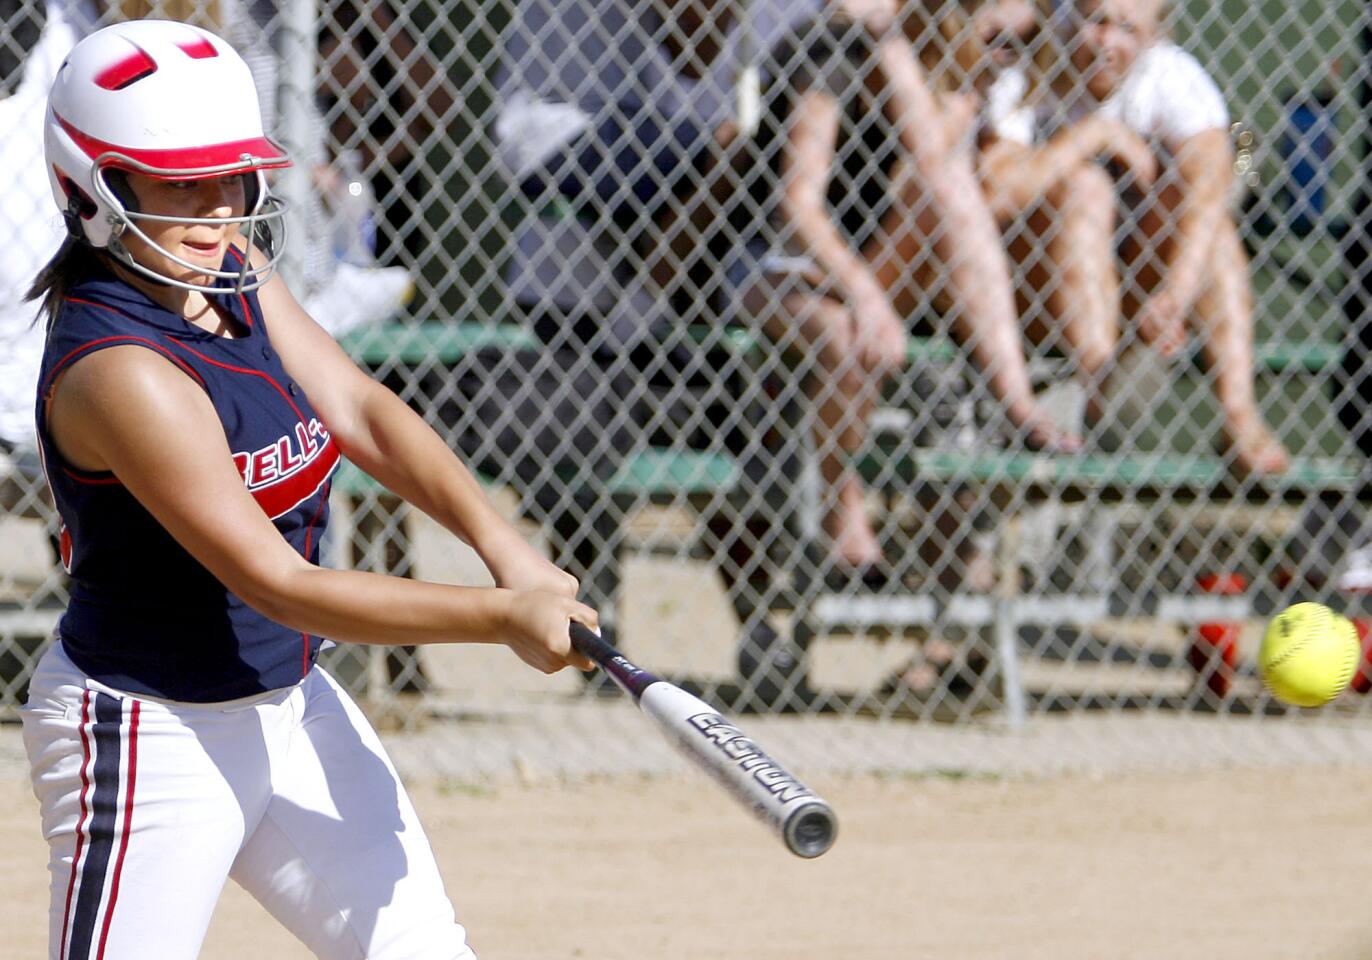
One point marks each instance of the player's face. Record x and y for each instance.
(201, 244)
(1110, 36)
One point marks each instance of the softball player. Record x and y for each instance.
(190, 417)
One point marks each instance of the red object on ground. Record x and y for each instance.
(1214, 650)
(1362, 679)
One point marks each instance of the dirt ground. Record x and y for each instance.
(1237, 864)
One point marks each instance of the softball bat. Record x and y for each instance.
(805, 823)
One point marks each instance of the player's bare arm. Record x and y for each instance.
(383, 436)
(128, 411)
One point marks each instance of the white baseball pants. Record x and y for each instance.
(148, 806)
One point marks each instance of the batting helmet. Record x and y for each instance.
(170, 101)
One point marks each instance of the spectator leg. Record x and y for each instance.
(842, 394)
(943, 233)
(1224, 315)
(1065, 251)
(1222, 318)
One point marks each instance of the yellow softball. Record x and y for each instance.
(1308, 654)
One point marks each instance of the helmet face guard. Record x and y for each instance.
(131, 97)
(263, 224)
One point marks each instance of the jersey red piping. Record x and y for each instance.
(248, 371)
(104, 477)
(129, 338)
(242, 297)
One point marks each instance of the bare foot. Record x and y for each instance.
(1045, 437)
(1038, 431)
(850, 533)
(1040, 434)
(1253, 449)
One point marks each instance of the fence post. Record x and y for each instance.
(299, 53)
(1007, 629)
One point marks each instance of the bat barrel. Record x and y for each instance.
(805, 823)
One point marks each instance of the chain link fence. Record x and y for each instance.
(828, 352)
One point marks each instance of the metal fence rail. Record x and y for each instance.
(674, 462)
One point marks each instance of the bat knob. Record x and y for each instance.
(811, 830)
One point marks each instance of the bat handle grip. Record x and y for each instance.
(590, 644)
(631, 679)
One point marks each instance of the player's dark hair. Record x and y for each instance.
(73, 262)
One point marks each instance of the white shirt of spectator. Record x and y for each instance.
(531, 130)
(1167, 97)
(30, 225)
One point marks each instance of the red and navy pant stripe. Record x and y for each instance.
(109, 774)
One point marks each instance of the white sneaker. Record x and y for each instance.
(357, 296)
(1357, 570)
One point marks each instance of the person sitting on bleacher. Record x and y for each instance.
(1057, 206)
(613, 118)
(873, 204)
(1107, 85)
(615, 115)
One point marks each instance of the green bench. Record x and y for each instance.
(1125, 472)
(1131, 473)
(655, 473)
(434, 341)
(1088, 477)
(1275, 356)
(662, 473)
(1308, 356)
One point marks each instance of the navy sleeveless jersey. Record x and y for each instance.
(145, 616)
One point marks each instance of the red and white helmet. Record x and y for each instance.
(167, 100)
